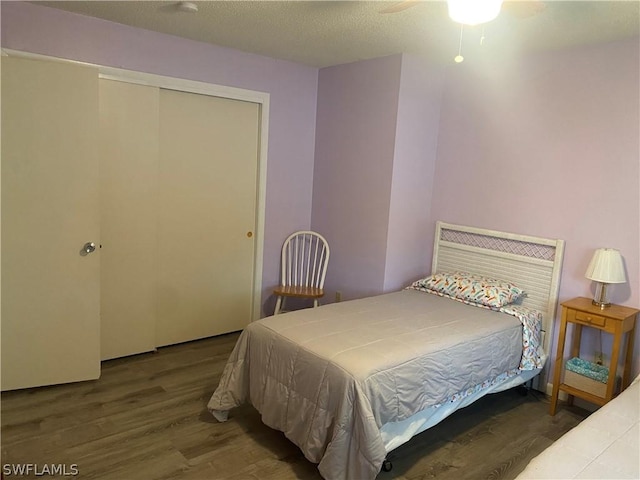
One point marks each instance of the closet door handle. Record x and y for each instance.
(88, 248)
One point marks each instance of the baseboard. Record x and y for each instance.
(561, 395)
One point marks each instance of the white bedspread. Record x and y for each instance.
(606, 445)
(330, 377)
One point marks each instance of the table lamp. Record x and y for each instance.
(605, 268)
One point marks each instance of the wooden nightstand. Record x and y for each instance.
(616, 320)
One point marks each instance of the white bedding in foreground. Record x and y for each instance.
(331, 377)
(606, 445)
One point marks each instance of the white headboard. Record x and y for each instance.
(532, 263)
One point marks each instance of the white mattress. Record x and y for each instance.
(606, 445)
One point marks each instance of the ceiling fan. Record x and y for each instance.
(476, 12)
(516, 8)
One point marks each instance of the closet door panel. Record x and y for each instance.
(50, 209)
(207, 215)
(129, 128)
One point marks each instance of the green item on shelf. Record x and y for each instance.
(591, 370)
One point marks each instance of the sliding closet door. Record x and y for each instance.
(207, 215)
(50, 284)
(129, 123)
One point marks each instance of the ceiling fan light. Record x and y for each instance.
(473, 12)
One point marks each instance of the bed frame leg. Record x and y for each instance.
(525, 388)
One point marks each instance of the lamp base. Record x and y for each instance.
(601, 299)
(600, 304)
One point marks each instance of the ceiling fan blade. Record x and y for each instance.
(523, 8)
(400, 6)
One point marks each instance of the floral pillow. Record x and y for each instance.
(472, 288)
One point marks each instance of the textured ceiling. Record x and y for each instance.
(324, 33)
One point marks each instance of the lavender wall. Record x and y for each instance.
(376, 146)
(549, 146)
(292, 88)
(410, 227)
(356, 125)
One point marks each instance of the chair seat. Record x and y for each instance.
(298, 291)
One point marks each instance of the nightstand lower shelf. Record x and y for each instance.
(582, 394)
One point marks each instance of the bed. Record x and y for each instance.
(349, 382)
(604, 445)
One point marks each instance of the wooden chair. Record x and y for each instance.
(305, 256)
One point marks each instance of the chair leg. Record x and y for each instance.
(278, 305)
(315, 303)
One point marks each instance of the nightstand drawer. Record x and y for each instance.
(587, 318)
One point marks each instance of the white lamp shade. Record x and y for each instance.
(606, 266)
(473, 12)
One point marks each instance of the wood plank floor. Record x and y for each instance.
(146, 418)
